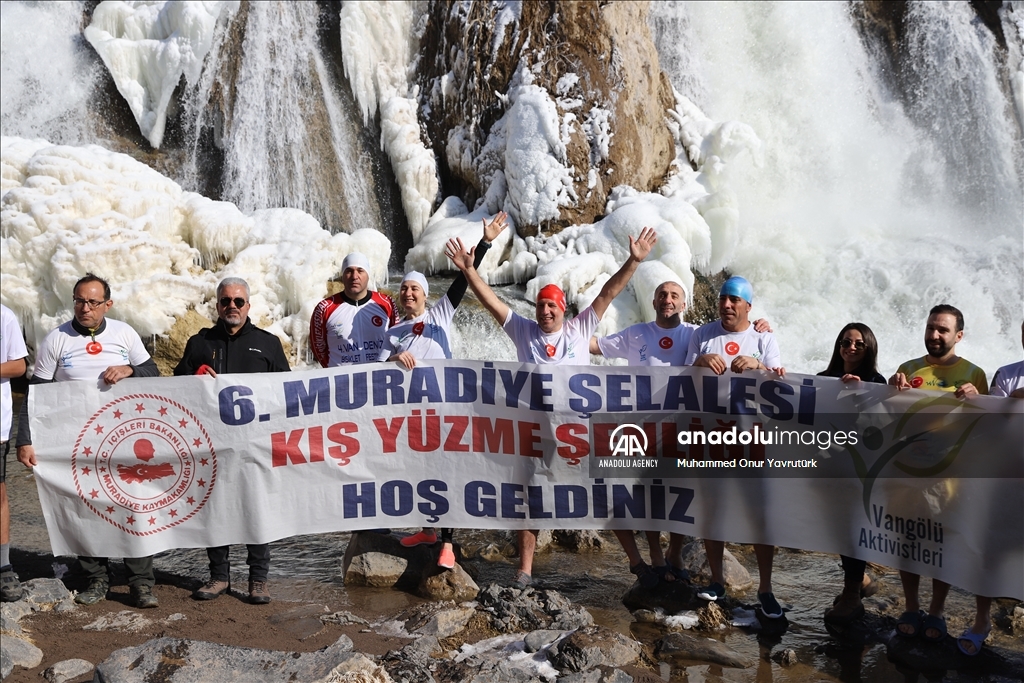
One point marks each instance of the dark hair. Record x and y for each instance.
(89, 277)
(951, 310)
(868, 366)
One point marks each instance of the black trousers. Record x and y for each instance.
(853, 569)
(139, 569)
(258, 561)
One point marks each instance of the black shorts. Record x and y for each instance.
(3, 460)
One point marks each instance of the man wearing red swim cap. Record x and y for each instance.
(550, 339)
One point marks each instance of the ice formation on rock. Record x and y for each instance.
(69, 210)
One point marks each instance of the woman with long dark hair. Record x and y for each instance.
(854, 359)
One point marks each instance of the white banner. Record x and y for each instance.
(914, 480)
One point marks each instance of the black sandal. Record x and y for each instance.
(647, 577)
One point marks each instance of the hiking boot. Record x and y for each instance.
(96, 591)
(259, 594)
(142, 596)
(211, 589)
(11, 589)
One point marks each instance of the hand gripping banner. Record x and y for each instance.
(914, 480)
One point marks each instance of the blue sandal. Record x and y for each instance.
(975, 639)
(931, 623)
(913, 620)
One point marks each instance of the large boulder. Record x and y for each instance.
(381, 561)
(696, 562)
(448, 584)
(593, 646)
(701, 648)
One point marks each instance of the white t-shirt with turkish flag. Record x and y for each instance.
(648, 344)
(425, 337)
(65, 355)
(568, 346)
(713, 338)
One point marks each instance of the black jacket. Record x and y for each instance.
(251, 350)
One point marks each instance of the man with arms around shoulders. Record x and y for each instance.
(733, 343)
(93, 348)
(663, 342)
(550, 340)
(350, 327)
(233, 345)
(12, 364)
(940, 369)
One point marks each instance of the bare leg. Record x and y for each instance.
(628, 541)
(675, 551)
(527, 547)
(5, 516)
(765, 555)
(654, 543)
(940, 589)
(716, 552)
(911, 585)
(982, 623)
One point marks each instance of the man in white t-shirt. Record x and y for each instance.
(1009, 379)
(732, 343)
(93, 348)
(663, 342)
(350, 327)
(550, 340)
(12, 364)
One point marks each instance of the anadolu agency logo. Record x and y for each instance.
(628, 441)
(144, 463)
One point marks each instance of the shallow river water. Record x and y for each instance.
(308, 569)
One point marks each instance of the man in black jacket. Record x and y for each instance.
(232, 345)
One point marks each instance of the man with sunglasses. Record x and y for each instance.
(351, 327)
(233, 345)
(93, 348)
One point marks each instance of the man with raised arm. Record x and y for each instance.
(233, 345)
(663, 342)
(940, 369)
(733, 343)
(93, 348)
(350, 327)
(550, 340)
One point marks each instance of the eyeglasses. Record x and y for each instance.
(88, 303)
(847, 343)
(226, 301)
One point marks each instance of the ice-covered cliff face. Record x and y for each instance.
(789, 152)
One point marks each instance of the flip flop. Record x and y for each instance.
(913, 620)
(933, 623)
(975, 639)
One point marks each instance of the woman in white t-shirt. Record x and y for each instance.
(424, 333)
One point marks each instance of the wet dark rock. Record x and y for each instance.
(702, 649)
(925, 655)
(784, 657)
(175, 660)
(448, 584)
(67, 670)
(539, 639)
(593, 646)
(1017, 620)
(871, 628)
(381, 561)
(696, 562)
(513, 610)
(579, 540)
(302, 622)
(673, 597)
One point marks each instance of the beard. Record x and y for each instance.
(938, 349)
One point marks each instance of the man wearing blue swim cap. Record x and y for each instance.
(732, 343)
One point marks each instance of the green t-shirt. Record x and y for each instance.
(923, 375)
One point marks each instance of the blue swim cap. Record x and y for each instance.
(738, 286)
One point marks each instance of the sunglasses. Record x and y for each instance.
(847, 343)
(226, 301)
(83, 303)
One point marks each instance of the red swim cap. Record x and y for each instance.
(554, 293)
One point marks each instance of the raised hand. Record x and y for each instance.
(458, 255)
(495, 227)
(641, 247)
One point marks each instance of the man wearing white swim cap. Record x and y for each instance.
(350, 327)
